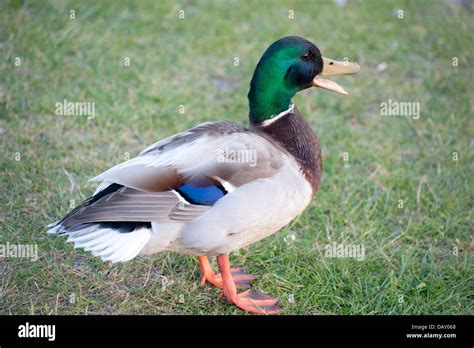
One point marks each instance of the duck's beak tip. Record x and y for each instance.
(332, 67)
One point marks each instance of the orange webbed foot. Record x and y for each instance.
(249, 301)
(241, 278)
(255, 302)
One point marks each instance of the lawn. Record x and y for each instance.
(400, 186)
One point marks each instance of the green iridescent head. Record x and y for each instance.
(289, 65)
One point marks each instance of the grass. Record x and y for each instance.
(411, 265)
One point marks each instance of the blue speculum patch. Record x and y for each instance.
(202, 191)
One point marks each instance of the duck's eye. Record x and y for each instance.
(305, 56)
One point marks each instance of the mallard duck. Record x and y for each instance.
(219, 186)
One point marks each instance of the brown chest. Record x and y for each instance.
(296, 136)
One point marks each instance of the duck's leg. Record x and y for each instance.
(241, 279)
(208, 274)
(248, 300)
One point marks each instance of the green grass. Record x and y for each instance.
(410, 266)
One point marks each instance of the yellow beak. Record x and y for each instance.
(332, 67)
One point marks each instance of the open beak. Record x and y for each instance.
(334, 68)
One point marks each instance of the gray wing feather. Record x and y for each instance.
(212, 129)
(128, 204)
(200, 151)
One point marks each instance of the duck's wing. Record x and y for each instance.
(179, 178)
(223, 150)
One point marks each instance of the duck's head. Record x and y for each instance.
(290, 65)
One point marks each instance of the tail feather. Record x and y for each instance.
(108, 243)
(53, 228)
(111, 241)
